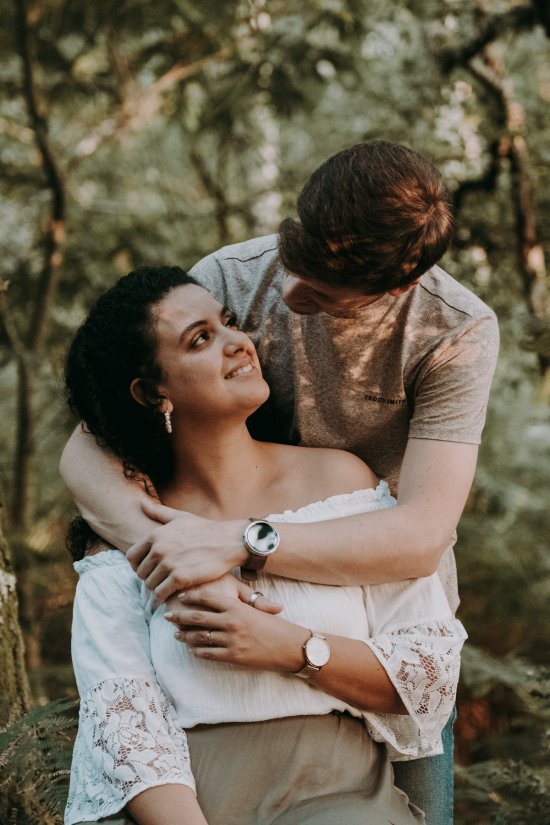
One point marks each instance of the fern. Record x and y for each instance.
(35, 758)
(511, 785)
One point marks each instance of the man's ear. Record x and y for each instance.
(401, 289)
(142, 394)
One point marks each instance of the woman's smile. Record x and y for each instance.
(246, 369)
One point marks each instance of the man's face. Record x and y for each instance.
(308, 297)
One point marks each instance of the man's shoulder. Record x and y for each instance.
(439, 291)
(265, 247)
(236, 273)
(256, 253)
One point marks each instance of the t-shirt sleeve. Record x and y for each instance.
(209, 274)
(452, 389)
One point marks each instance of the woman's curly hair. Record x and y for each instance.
(116, 344)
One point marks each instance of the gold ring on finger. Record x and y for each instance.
(209, 638)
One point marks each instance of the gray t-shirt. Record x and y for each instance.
(418, 365)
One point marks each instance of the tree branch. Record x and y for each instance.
(486, 183)
(55, 235)
(140, 108)
(512, 146)
(490, 28)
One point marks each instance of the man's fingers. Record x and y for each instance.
(261, 602)
(137, 552)
(267, 606)
(156, 579)
(170, 585)
(159, 512)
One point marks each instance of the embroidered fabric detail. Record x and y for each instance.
(106, 558)
(127, 741)
(423, 664)
(344, 504)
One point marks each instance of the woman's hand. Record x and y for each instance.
(222, 628)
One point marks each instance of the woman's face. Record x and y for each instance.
(210, 368)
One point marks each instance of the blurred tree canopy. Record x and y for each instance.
(142, 132)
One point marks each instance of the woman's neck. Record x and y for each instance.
(218, 471)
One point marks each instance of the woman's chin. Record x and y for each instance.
(258, 398)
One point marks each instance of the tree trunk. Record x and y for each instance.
(15, 692)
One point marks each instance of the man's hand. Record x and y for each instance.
(229, 586)
(186, 550)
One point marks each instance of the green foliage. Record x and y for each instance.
(35, 757)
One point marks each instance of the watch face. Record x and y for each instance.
(262, 538)
(317, 651)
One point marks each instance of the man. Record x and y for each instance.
(368, 346)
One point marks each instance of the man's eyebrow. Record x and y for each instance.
(225, 310)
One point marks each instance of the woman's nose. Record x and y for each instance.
(236, 340)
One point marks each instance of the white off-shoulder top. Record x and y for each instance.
(140, 688)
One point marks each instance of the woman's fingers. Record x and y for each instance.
(208, 598)
(192, 617)
(202, 638)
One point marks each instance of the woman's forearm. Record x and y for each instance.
(166, 805)
(354, 675)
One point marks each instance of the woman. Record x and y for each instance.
(161, 375)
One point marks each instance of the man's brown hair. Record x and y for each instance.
(374, 217)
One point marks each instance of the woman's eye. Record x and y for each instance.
(231, 321)
(201, 338)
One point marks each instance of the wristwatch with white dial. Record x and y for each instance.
(261, 539)
(316, 653)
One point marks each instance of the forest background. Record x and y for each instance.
(138, 132)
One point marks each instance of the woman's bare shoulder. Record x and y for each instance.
(327, 472)
(344, 471)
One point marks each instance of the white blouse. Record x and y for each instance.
(140, 688)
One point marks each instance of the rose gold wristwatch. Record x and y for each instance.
(316, 653)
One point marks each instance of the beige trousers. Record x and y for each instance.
(302, 770)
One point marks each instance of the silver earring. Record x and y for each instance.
(167, 422)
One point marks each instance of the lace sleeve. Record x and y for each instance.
(423, 663)
(127, 741)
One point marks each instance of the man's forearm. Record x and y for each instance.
(381, 546)
(110, 503)
(403, 542)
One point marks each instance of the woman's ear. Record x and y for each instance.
(141, 393)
